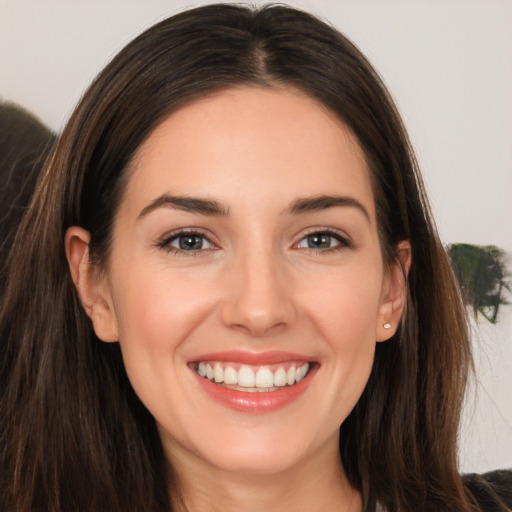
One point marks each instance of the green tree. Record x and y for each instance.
(483, 276)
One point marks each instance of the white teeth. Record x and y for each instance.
(264, 378)
(218, 373)
(245, 377)
(280, 377)
(230, 376)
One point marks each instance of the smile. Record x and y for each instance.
(254, 383)
(249, 378)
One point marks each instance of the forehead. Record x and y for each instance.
(247, 145)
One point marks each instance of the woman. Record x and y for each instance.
(230, 254)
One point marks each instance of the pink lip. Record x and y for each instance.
(257, 402)
(252, 358)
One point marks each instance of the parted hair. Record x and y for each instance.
(73, 434)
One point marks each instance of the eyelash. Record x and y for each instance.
(165, 242)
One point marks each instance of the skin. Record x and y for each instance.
(254, 285)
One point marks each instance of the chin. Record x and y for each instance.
(257, 460)
(263, 450)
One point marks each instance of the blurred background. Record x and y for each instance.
(448, 64)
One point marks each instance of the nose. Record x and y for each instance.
(258, 295)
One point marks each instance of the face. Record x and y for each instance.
(245, 283)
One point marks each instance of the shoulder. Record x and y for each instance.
(492, 491)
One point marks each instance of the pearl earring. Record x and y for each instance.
(387, 326)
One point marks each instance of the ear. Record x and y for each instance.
(394, 293)
(91, 284)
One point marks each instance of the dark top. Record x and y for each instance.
(493, 491)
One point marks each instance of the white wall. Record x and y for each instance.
(449, 66)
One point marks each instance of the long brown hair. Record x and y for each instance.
(74, 436)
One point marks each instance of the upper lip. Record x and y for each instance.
(252, 358)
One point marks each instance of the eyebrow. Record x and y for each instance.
(213, 208)
(188, 204)
(324, 202)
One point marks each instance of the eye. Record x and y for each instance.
(186, 242)
(323, 241)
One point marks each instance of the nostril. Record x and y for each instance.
(251, 315)
(258, 327)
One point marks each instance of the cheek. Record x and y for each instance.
(346, 306)
(345, 313)
(157, 310)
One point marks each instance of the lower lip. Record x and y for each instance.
(258, 401)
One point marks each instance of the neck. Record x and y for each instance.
(315, 484)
